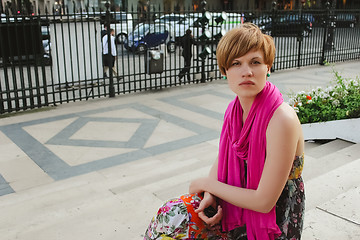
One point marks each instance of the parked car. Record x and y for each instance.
(288, 25)
(45, 33)
(193, 21)
(121, 22)
(309, 17)
(262, 20)
(230, 21)
(345, 20)
(23, 39)
(147, 36)
(179, 23)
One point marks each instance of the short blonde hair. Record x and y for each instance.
(239, 41)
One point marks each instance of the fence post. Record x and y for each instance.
(109, 55)
(327, 4)
(273, 17)
(329, 25)
(203, 27)
(300, 36)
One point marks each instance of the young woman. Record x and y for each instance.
(255, 185)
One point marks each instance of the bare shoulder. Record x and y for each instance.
(285, 114)
(284, 129)
(284, 119)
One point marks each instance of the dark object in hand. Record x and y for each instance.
(210, 211)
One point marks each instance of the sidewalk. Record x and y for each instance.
(99, 169)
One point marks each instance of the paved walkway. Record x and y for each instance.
(99, 169)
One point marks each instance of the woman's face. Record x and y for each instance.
(247, 74)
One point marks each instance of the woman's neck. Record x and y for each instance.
(246, 104)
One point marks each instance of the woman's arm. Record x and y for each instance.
(214, 168)
(282, 136)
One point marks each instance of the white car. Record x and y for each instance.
(180, 23)
(122, 23)
(230, 21)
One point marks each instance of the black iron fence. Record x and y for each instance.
(52, 59)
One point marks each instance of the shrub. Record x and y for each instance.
(338, 101)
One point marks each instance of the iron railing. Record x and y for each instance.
(53, 59)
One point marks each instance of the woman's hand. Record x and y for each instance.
(209, 201)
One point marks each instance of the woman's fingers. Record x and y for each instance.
(213, 220)
(207, 201)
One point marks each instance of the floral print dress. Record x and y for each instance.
(176, 219)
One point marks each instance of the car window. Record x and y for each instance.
(121, 17)
(141, 30)
(172, 19)
(345, 17)
(158, 29)
(184, 21)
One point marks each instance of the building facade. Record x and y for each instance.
(41, 6)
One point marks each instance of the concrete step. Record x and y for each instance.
(156, 169)
(329, 185)
(314, 167)
(327, 148)
(338, 218)
(311, 144)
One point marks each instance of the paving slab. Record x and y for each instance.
(345, 206)
(320, 225)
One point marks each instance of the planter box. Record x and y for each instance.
(347, 129)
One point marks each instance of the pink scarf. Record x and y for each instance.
(240, 142)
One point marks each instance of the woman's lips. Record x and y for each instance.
(247, 83)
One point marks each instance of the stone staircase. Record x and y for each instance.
(331, 175)
(125, 197)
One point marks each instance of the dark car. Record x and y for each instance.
(262, 20)
(147, 36)
(345, 20)
(23, 39)
(289, 25)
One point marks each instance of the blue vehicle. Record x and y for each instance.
(287, 25)
(147, 36)
(345, 20)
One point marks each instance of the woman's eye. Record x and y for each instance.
(256, 62)
(235, 63)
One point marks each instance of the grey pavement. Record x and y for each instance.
(99, 169)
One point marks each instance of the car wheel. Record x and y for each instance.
(120, 38)
(171, 47)
(141, 48)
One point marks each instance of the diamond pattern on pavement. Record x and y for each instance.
(68, 145)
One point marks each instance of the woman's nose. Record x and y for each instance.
(246, 70)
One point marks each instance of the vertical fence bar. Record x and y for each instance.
(300, 37)
(43, 70)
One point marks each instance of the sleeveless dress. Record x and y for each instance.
(176, 218)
